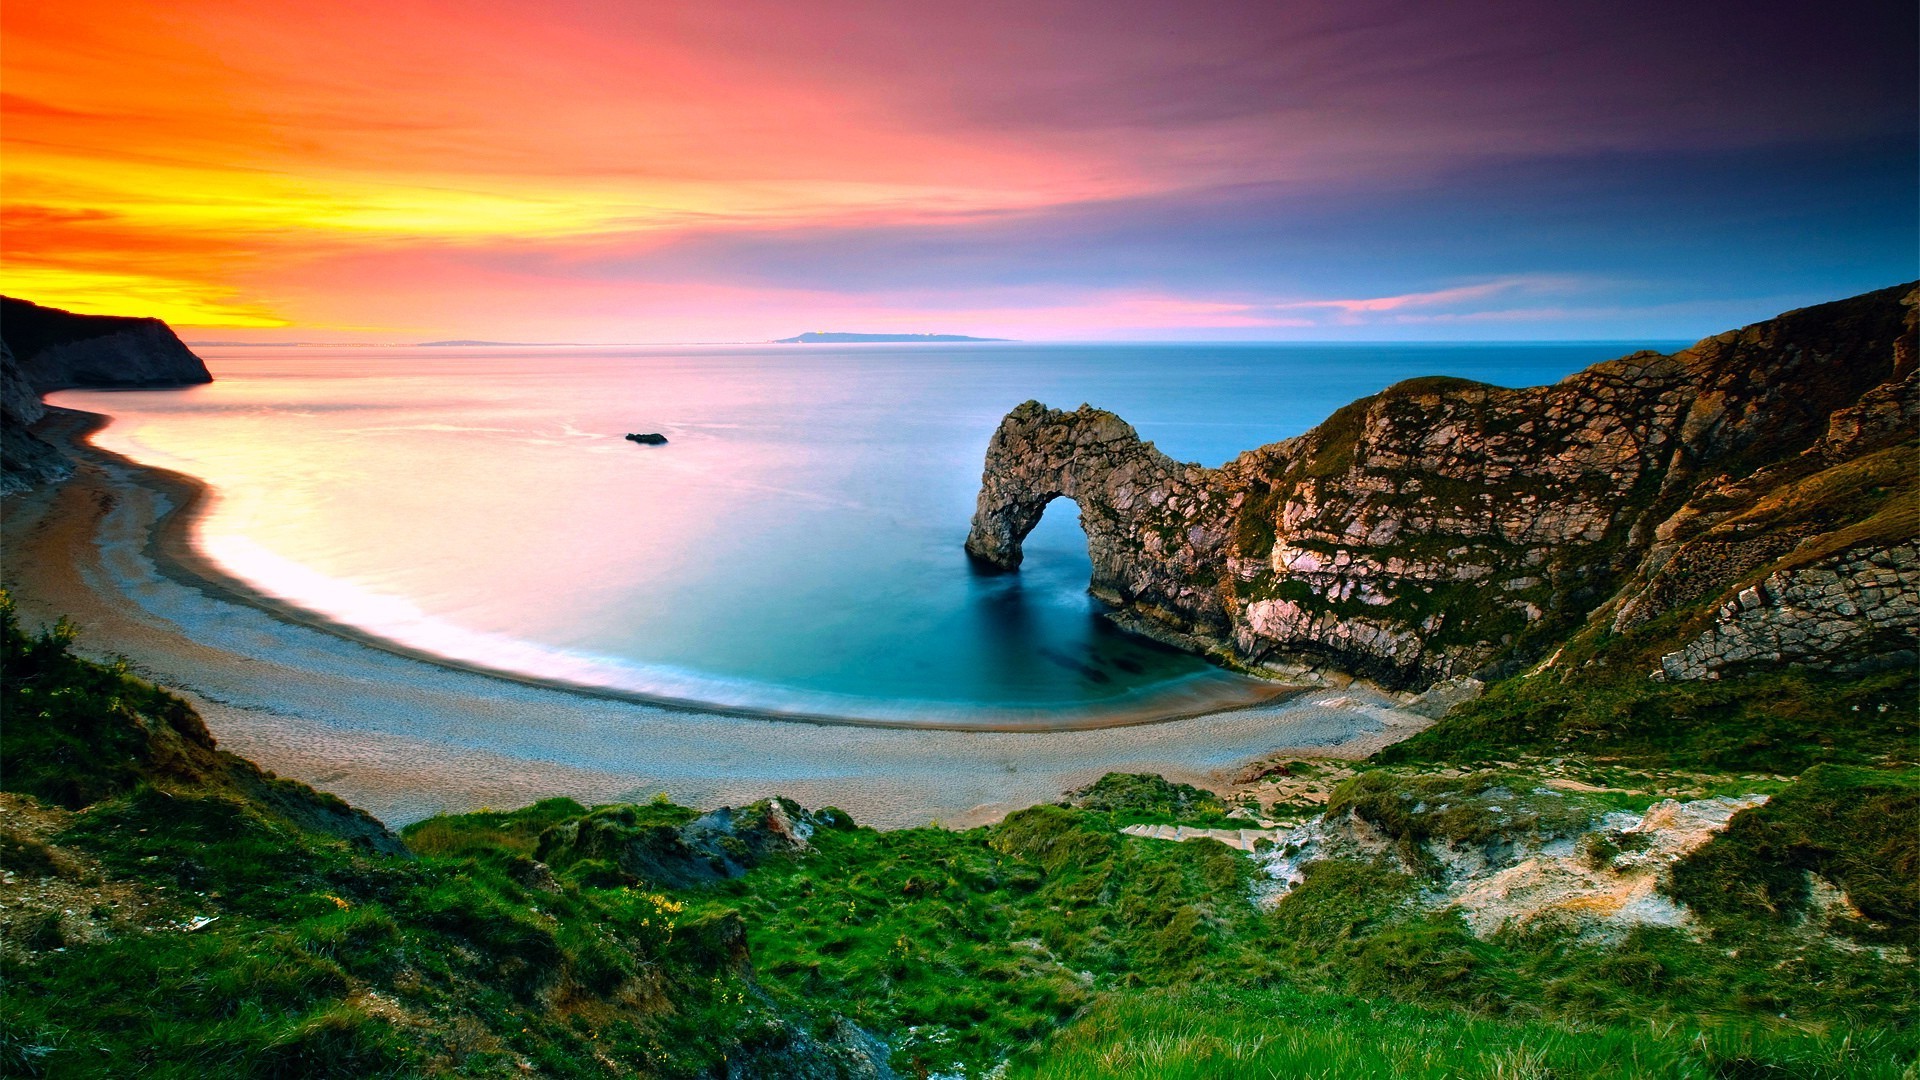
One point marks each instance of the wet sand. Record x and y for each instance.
(405, 736)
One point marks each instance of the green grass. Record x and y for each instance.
(1200, 1034)
(1781, 722)
(1356, 928)
(981, 943)
(1858, 829)
(494, 969)
(1137, 799)
(982, 940)
(574, 941)
(278, 938)
(489, 832)
(77, 732)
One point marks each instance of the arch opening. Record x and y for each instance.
(1056, 549)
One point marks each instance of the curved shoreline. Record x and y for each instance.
(172, 550)
(406, 738)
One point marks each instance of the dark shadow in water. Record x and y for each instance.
(1039, 627)
(1009, 627)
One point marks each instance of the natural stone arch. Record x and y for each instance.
(1035, 457)
(1155, 526)
(1038, 455)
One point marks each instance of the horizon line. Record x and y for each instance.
(204, 344)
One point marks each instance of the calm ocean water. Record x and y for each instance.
(794, 547)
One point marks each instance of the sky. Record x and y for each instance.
(739, 170)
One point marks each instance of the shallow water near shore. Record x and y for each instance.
(793, 548)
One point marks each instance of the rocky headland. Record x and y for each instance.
(59, 350)
(43, 349)
(1747, 501)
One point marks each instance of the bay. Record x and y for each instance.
(794, 547)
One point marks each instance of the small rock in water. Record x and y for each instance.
(651, 438)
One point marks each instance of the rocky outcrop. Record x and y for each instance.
(44, 349)
(59, 350)
(1444, 528)
(1156, 528)
(631, 844)
(1247, 840)
(25, 458)
(18, 401)
(1583, 869)
(1858, 607)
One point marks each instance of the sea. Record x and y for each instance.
(794, 548)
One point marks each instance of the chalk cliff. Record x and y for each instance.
(43, 349)
(1749, 500)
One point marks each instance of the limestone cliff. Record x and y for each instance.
(1445, 528)
(43, 349)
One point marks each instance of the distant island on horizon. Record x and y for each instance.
(460, 341)
(816, 337)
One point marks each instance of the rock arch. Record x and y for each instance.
(1155, 527)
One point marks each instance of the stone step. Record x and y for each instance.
(1242, 839)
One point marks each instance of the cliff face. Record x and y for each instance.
(25, 458)
(58, 350)
(1445, 528)
(43, 349)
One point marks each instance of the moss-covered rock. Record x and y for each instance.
(1145, 797)
(1858, 830)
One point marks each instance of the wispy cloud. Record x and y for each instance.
(1453, 300)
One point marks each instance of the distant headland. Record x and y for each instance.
(494, 344)
(821, 338)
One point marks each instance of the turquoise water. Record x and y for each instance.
(794, 547)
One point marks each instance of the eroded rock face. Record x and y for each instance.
(1156, 528)
(1599, 879)
(1444, 528)
(25, 459)
(58, 349)
(43, 349)
(1859, 606)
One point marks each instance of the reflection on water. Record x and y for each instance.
(1042, 625)
(794, 546)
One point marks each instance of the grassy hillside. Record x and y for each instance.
(1776, 723)
(170, 910)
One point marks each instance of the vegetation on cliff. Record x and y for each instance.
(1778, 723)
(172, 910)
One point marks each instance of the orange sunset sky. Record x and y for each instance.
(598, 171)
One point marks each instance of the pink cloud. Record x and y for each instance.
(1438, 297)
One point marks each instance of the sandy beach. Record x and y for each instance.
(406, 737)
